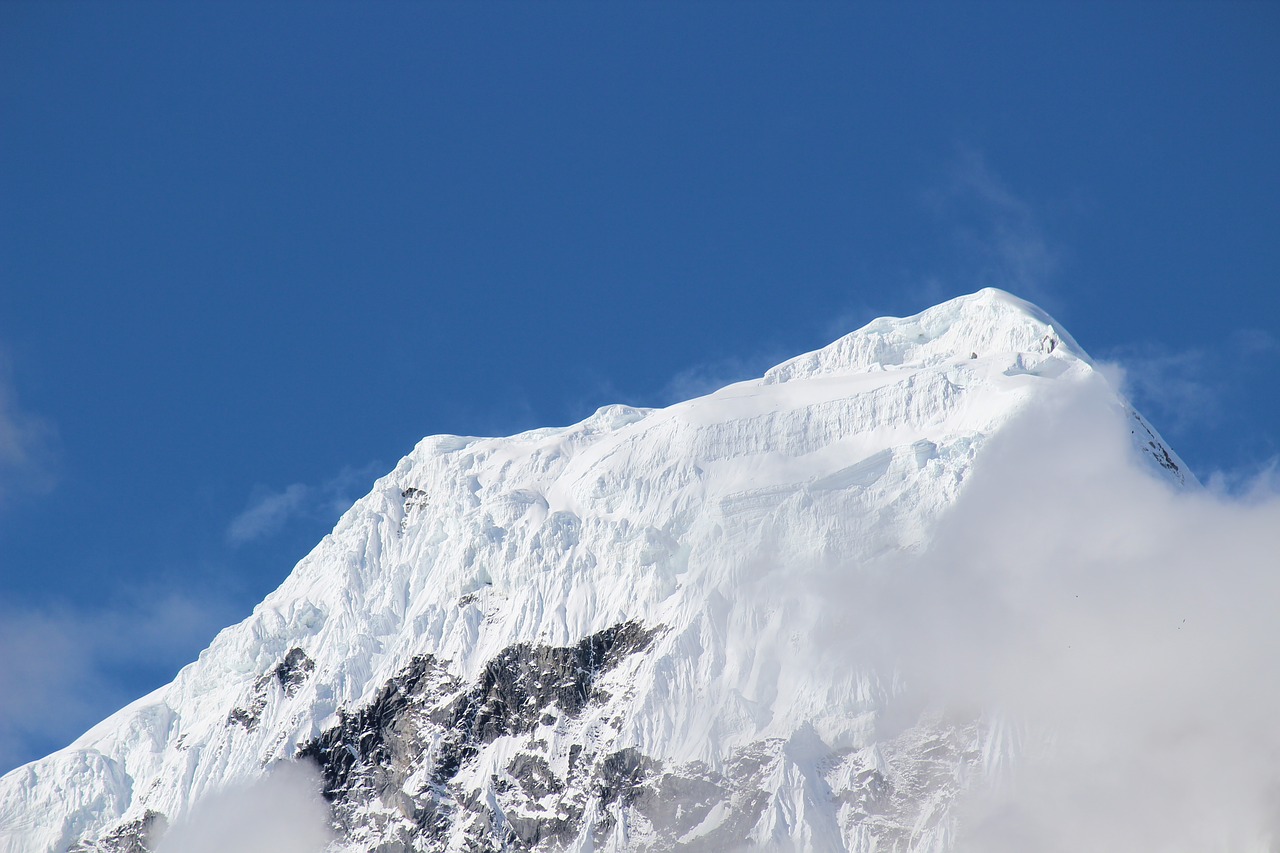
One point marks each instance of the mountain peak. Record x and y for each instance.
(970, 326)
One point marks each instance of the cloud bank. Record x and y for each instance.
(1125, 631)
(281, 813)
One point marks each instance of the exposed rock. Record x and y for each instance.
(135, 836)
(293, 670)
(290, 674)
(425, 724)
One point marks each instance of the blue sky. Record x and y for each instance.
(250, 253)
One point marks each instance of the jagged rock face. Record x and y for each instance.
(425, 725)
(599, 637)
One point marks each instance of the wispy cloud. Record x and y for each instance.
(693, 380)
(984, 233)
(999, 234)
(1173, 385)
(270, 510)
(699, 379)
(26, 444)
(1185, 386)
(1000, 241)
(60, 665)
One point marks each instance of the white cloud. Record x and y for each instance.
(269, 511)
(281, 813)
(1125, 628)
(26, 444)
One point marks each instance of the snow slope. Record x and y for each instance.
(581, 637)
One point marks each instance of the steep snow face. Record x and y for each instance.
(577, 637)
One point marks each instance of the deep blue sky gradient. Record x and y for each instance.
(251, 246)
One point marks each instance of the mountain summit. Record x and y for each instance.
(615, 635)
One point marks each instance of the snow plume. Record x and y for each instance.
(1115, 634)
(281, 813)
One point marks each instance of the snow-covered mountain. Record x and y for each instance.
(591, 637)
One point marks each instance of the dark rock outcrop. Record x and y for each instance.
(289, 674)
(426, 724)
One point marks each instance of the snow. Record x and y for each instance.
(692, 517)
